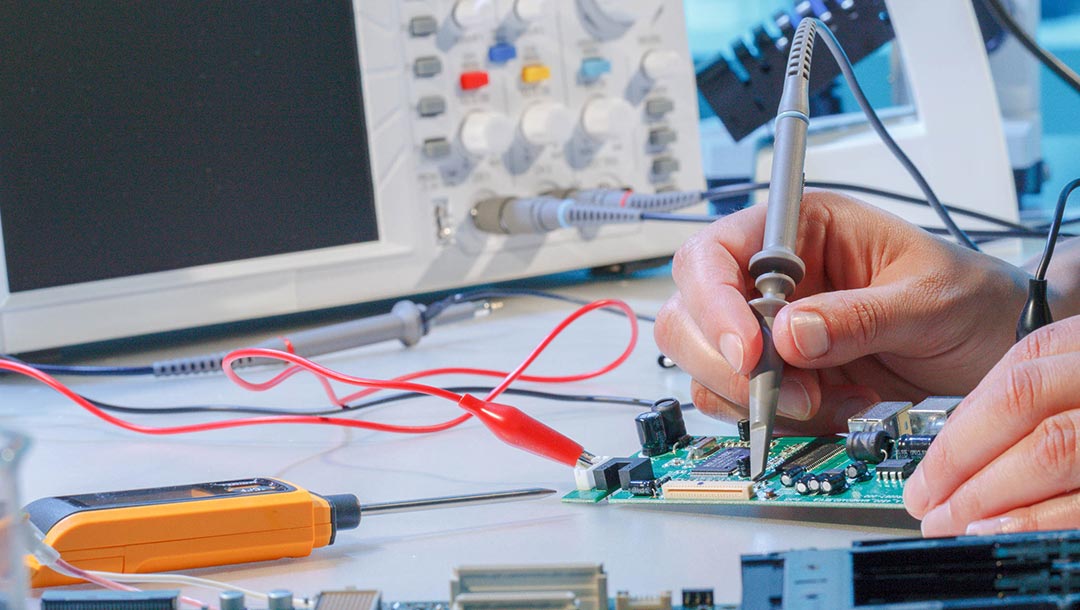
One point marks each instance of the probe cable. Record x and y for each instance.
(508, 423)
(1048, 59)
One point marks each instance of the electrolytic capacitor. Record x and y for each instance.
(789, 476)
(231, 600)
(744, 430)
(832, 482)
(674, 425)
(813, 481)
(870, 446)
(803, 484)
(857, 471)
(651, 433)
(743, 465)
(913, 446)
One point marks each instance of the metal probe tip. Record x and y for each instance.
(493, 497)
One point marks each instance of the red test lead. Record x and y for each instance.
(517, 429)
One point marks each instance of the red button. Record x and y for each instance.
(474, 80)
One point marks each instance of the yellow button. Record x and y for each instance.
(535, 73)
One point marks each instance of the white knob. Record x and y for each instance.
(621, 12)
(606, 116)
(529, 10)
(474, 14)
(547, 123)
(487, 133)
(662, 64)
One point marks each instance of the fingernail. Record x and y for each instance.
(987, 527)
(810, 334)
(938, 522)
(915, 496)
(794, 400)
(731, 349)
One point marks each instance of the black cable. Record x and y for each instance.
(248, 410)
(1055, 228)
(87, 371)
(483, 294)
(1048, 59)
(737, 190)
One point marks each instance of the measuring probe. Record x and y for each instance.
(776, 268)
(208, 524)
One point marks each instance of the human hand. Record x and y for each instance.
(1008, 459)
(885, 310)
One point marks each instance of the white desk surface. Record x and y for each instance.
(411, 556)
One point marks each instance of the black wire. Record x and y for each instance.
(875, 121)
(1055, 228)
(665, 217)
(248, 410)
(85, 371)
(1047, 58)
(736, 190)
(483, 294)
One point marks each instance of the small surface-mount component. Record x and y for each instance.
(743, 466)
(707, 490)
(929, 416)
(651, 433)
(702, 447)
(832, 482)
(744, 430)
(789, 475)
(895, 469)
(857, 471)
(914, 446)
(674, 425)
(349, 599)
(725, 462)
(889, 417)
(802, 485)
(518, 586)
(872, 446)
(661, 601)
(692, 599)
(643, 488)
(110, 600)
(639, 469)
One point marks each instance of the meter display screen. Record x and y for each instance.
(138, 137)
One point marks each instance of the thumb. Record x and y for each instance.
(834, 328)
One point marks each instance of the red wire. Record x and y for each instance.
(373, 385)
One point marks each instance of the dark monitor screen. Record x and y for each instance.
(143, 136)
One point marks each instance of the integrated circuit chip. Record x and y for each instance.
(895, 470)
(725, 462)
(814, 454)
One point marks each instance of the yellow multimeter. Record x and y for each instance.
(187, 526)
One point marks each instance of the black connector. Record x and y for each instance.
(1036, 312)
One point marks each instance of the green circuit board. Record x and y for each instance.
(687, 475)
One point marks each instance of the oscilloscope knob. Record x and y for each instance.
(487, 133)
(604, 117)
(474, 14)
(608, 19)
(662, 63)
(547, 123)
(530, 10)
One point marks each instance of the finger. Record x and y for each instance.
(1006, 407)
(1061, 513)
(710, 272)
(1043, 465)
(825, 421)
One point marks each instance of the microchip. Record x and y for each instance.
(725, 462)
(814, 454)
(895, 470)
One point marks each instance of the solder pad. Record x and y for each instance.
(815, 454)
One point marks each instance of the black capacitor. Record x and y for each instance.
(832, 482)
(790, 475)
(803, 484)
(813, 481)
(871, 446)
(674, 424)
(744, 430)
(857, 471)
(913, 446)
(650, 431)
(743, 464)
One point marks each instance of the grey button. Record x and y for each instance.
(659, 106)
(665, 165)
(426, 67)
(436, 148)
(431, 105)
(662, 136)
(425, 25)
